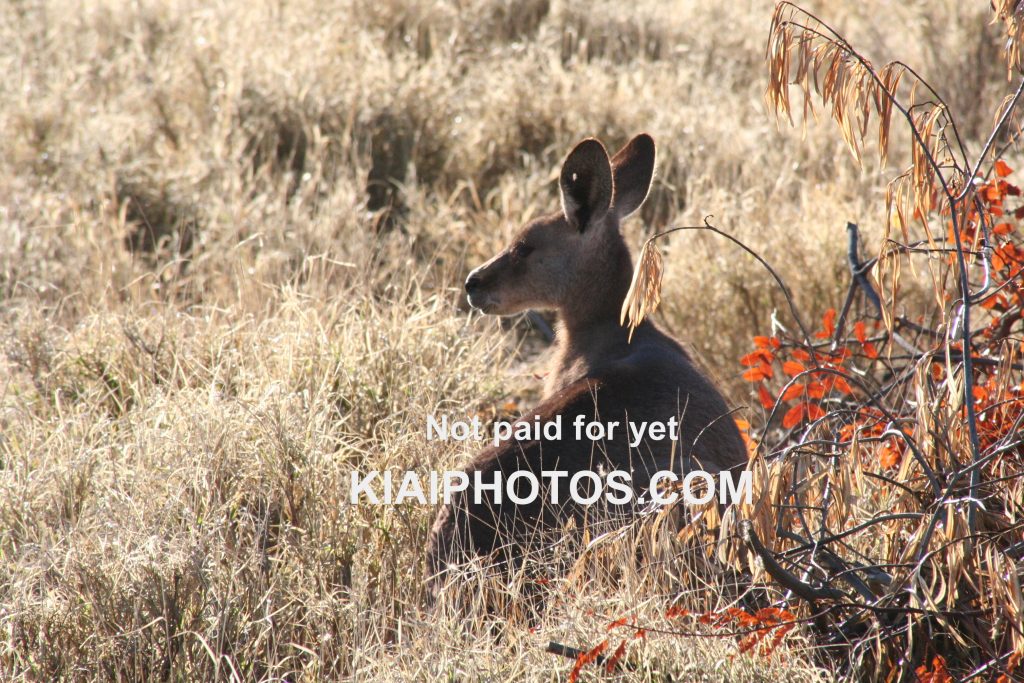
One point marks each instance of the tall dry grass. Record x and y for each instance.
(231, 242)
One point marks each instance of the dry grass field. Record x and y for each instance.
(232, 242)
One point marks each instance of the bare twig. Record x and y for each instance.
(785, 578)
(778, 279)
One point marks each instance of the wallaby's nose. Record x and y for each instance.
(472, 283)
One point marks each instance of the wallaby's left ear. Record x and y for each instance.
(586, 184)
(633, 169)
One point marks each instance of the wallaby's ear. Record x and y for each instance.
(633, 168)
(586, 184)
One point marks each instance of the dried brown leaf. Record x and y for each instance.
(644, 293)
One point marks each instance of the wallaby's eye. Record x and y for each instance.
(521, 250)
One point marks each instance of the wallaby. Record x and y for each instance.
(576, 262)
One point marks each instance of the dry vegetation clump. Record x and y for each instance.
(888, 472)
(231, 242)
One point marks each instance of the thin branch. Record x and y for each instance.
(778, 279)
(784, 578)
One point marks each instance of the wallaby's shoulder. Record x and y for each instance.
(651, 352)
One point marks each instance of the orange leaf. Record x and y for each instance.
(613, 661)
(870, 350)
(765, 342)
(800, 355)
(1002, 229)
(585, 659)
(889, 456)
(793, 416)
(757, 357)
(1002, 168)
(618, 622)
(814, 411)
(840, 384)
(754, 375)
(1005, 256)
(747, 644)
(794, 391)
(995, 301)
(858, 331)
(792, 368)
(815, 390)
(937, 674)
(767, 402)
(829, 321)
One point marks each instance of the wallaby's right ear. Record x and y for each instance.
(633, 168)
(586, 184)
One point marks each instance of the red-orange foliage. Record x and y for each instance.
(805, 383)
(586, 658)
(936, 674)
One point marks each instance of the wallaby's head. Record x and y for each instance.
(567, 258)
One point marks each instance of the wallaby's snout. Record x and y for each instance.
(473, 283)
(480, 287)
(476, 293)
(515, 279)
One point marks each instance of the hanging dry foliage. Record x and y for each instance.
(804, 52)
(1011, 13)
(644, 293)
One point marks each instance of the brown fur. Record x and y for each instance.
(576, 262)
